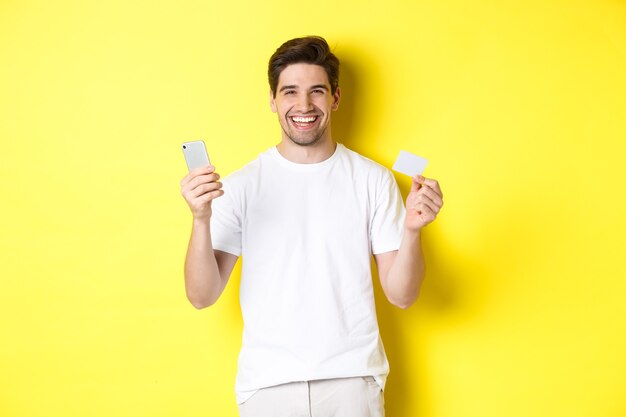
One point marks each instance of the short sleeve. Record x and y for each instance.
(226, 220)
(387, 221)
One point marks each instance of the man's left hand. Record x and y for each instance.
(423, 203)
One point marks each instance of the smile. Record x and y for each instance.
(303, 122)
(302, 119)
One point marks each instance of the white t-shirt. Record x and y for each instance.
(306, 233)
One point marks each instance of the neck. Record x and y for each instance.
(299, 154)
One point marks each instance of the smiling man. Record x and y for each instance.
(306, 216)
(303, 101)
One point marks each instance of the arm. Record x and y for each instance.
(206, 270)
(401, 272)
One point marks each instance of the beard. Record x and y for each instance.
(307, 139)
(303, 138)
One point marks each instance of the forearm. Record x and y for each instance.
(406, 274)
(203, 282)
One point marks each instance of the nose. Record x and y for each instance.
(305, 103)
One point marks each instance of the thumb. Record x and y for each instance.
(418, 180)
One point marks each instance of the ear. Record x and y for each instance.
(273, 102)
(336, 99)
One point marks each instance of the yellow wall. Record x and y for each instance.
(520, 107)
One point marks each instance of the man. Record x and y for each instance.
(306, 216)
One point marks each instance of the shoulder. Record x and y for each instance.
(243, 174)
(249, 172)
(375, 171)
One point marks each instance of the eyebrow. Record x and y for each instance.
(294, 87)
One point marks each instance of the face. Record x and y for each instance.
(303, 103)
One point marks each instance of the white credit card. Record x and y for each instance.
(410, 164)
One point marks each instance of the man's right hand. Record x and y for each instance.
(199, 188)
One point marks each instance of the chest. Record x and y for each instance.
(323, 206)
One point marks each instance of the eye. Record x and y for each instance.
(289, 92)
(318, 91)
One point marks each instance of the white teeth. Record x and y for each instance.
(304, 119)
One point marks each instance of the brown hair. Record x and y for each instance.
(309, 50)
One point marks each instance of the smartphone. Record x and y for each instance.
(196, 154)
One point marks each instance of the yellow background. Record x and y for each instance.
(519, 106)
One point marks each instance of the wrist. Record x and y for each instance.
(202, 222)
(413, 234)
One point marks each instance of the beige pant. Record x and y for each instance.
(342, 397)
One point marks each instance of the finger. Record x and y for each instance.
(202, 170)
(195, 172)
(436, 198)
(424, 212)
(203, 179)
(204, 189)
(427, 215)
(418, 180)
(423, 201)
(432, 183)
(211, 196)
